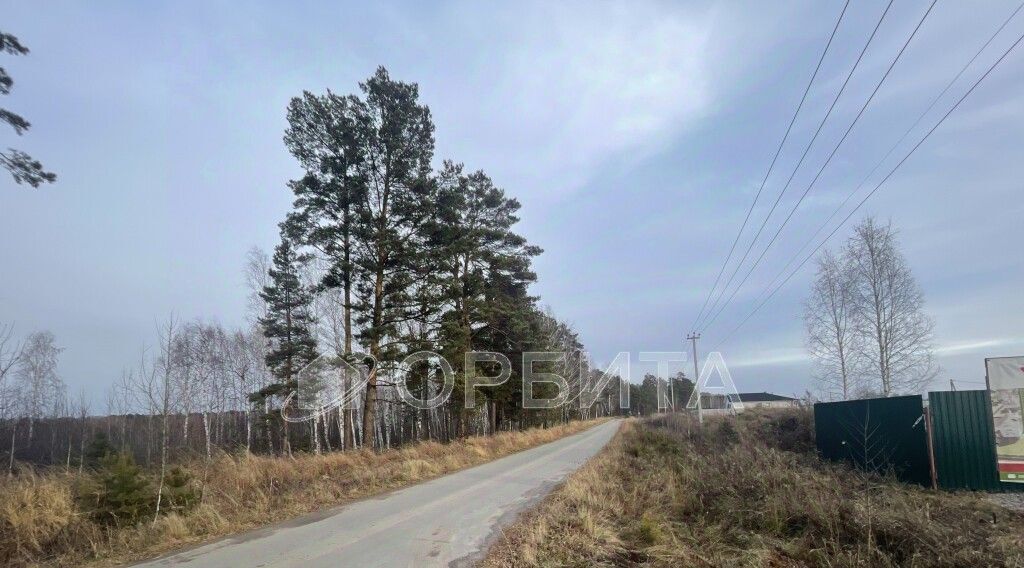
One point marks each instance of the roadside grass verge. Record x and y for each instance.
(667, 493)
(43, 520)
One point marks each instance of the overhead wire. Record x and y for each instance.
(824, 165)
(803, 156)
(892, 149)
(771, 167)
(874, 190)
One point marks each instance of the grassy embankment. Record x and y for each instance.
(749, 491)
(44, 521)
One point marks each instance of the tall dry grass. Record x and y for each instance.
(41, 522)
(667, 493)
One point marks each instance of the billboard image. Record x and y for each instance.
(1005, 377)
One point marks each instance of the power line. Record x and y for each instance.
(828, 160)
(873, 191)
(892, 149)
(771, 167)
(803, 156)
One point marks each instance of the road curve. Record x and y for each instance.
(449, 521)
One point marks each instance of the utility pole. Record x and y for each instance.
(693, 337)
(672, 391)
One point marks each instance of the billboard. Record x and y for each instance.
(1005, 378)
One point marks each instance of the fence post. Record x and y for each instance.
(931, 447)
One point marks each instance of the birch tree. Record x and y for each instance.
(257, 277)
(36, 378)
(243, 359)
(10, 355)
(205, 343)
(157, 385)
(889, 308)
(829, 317)
(181, 364)
(10, 351)
(82, 409)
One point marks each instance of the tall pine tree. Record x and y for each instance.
(396, 137)
(486, 270)
(288, 325)
(322, 136)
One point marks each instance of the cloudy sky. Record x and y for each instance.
(634, 133)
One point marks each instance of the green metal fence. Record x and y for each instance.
(888, 434)
(963, 442)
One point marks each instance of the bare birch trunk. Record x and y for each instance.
(14, 431)
(206, 435)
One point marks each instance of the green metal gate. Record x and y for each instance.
(879, 435)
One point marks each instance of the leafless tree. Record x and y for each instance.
(181, 364)
(206, 379)
(158, 386)
(832, 338)
(257, 277)
(83, 415)
(244, 361)
(118, 401)
(36, 390)
(37, 381)
(10, 355)
(145, 390)
(64, 414)
(563, 338)
(333, 331)
(889, 308)
(10, 351)
(328, 307)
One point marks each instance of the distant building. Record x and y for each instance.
(767, 400)
(749, 400)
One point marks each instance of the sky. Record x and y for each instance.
(635, 134)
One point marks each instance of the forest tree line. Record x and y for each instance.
(383, 255)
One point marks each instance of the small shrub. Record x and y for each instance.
(649, 532)
(787, 430)
(119, 493)
(98, 449)
(727, 433)
(180, 493)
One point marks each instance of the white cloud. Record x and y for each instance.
(779, 356)
(977, 345)
(571, 89)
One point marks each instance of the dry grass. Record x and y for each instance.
(40, 523)
(665, 493)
